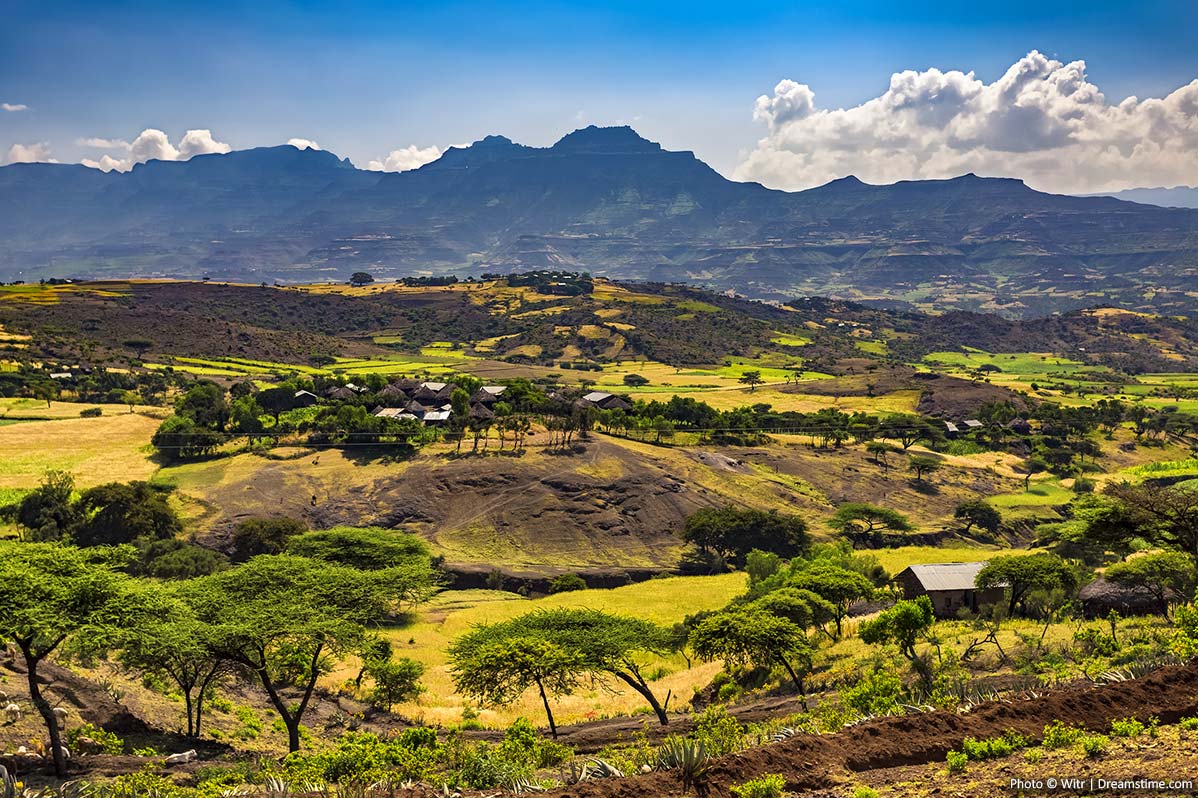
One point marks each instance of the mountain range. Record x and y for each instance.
(1176, 197)
(603, 200)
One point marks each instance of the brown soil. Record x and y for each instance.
(817, 763)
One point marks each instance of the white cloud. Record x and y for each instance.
(152, 144)
(13, 107)
(410, 157)
(1043, 121)
(303, 144)
(103, 144)
(29, 153)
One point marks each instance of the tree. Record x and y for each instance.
(879, 450)
(359, 279)
(979, 513)
(611, 645)
(752, 379)
(635, 380)
(245, 415)
(204, 403)
(866, 521)
(906, 429)
(1029, 468)
(276, 401)
(754, 637)
(405, 557)
(285, 620)
(178, 438)
(395, 681)
(923, 464)
(1022, 574)
(733, 533)
(171, 643)
(48, 512)
(1166, 575)
(838, 586)
(801, 607)
(489, 665)
(123, 512)
(139, 346)
(903, 624)
(50, 593)
(1167, 515)
(255, 536)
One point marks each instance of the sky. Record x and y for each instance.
(1071, 97)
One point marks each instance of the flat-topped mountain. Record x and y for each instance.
(604, 200)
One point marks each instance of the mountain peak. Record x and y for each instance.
(621, 139)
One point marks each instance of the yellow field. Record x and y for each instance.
(452, 613)
(96, 450)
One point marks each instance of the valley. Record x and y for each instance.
(607, 447)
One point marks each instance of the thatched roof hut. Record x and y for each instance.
(1100, 597)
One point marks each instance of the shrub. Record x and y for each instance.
(1058, 735)
(105, 742)
(865, 792)
(1127, 727)
(566, 583)
(719, 732)
(994, 748)
(91, 412)
(1033, 755)
(770, 785)
(1094, 745)
(956, 760)
(1188, 724)
(876, 694)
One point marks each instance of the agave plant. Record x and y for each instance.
(689, 757)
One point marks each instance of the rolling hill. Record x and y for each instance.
(602, 200)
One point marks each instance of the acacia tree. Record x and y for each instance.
(752, 379)
(285, 620)
(610, 645)
(172, 643)
(1167, 515)
(865, 521)
(496, 668)
(1023, 574)
(733, 533)
(923, 464)
(838, 586)
(979, 513)
(754, 637)
(51, 593)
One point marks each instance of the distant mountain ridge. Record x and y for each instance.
(603, 200)
(1176, 197)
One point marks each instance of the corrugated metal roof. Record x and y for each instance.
(947, 575)
(596, 396)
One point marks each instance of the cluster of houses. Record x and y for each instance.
(1019, 426)
(429, 402)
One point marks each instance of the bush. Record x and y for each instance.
(770, 785)
(105, 742)
(719, 732)
(1127, 727)
(876, 694)
(1188, 724)
(1094, 745)
(865, 792)
(91, 412)
(1058, 735)
(994, 748)
(567, 583)
(956, 760)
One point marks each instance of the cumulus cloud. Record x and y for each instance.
(151, 144)
(13, 107)
(1042, 121)
(410, 157)
(29, 153)
(303, 144)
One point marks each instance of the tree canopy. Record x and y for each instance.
(733, 533)
(1022, 574)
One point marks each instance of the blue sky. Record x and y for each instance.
(366, 78)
